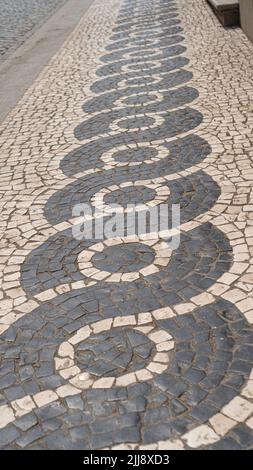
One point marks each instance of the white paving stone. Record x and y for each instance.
(238, 409)
(200, 436)
(6, 415)
(106, 382)
(159, 336)
(67, 391)
(81, 334)
(45, 397)
(171, 445)
(124, 321)
(23, 406)
(222, 424)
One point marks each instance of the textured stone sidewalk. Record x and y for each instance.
(18, 18)
(123, 344)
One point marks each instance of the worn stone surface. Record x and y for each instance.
(124, 343)
(18, 18)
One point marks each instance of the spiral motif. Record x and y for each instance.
(128, 334)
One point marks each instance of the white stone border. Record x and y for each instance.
(109, 160)
(201, 431)
(126, 83)
(157, 118)
(162, 194)
(146, 64)
(162, 258)
(119, 103)
(65, 364)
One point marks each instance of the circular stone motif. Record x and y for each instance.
(114, 352)
(139, 99)
(124, 258)
(137, 81)
(135, 154)
(132, 195)
(142, 54)
(161, 254)
(129, 193)
(133, 122)
(145, 68)
(84, 359)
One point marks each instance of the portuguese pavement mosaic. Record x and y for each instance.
(123, 343)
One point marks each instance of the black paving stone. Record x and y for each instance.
(50, 411)
(203, 412)
(226, 443)
(26, 422)
(75, 402)
(79, 433)
(211, 360)
(30, 436)
(155, 433)
(244, 436)
(8, 435)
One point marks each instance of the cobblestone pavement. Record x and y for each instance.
(124, 344)
(18, 18)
